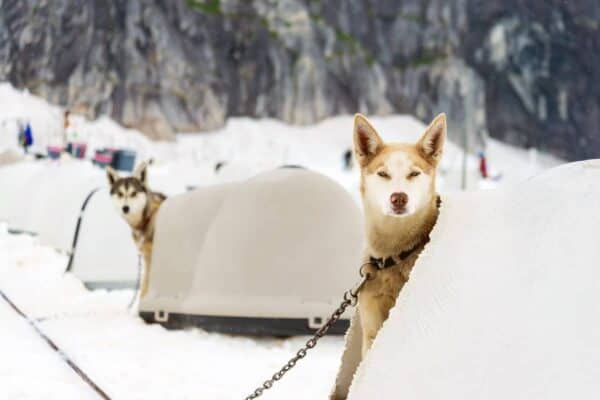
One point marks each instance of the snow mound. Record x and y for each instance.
(503, 301)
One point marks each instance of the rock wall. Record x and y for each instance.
(541, 64)
(516, 69)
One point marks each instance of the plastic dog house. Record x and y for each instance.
(46, 200)
(105, 255)
(270, 255)
(502, 303)
(13, 201)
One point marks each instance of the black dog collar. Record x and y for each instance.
(387, 262)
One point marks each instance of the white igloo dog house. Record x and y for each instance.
(271, 255)
(503, 303)
(46, 199)
(16, 181)
(104, 255)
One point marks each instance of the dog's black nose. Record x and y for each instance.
(125, 209)
(399, 199)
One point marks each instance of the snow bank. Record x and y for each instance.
(47, 125)
(503, 301)
(250, 146)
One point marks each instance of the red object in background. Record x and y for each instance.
(483, 166)
(103, 159)
(78, 149)
(54, 152)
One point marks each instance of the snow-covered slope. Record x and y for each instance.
(47, 124)
(249, 146)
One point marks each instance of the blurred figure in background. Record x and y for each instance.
(25, 135)
(219, 165)
(67, 127)
(483, 171)
(20, 125)
(348, 159)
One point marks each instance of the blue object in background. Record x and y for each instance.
(27, 135)
(119, 159)
(123, 160)
(54, 152)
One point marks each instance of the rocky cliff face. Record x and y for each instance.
(541, 64)
(518, 70)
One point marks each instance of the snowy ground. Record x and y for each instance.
(132, 360)
(123, 355)
(29, 370)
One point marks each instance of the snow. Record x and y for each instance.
(133, 360)
(250, 146)
(503, 305)
(47, 125)
(28, 370)
(126, 357)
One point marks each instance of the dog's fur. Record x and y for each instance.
(401, 207)
(138, 205)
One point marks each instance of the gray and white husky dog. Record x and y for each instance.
(138, 206)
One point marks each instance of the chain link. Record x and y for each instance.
(350, 299)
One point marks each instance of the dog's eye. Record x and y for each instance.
(133, 194)
(383, 174)
(414, 174)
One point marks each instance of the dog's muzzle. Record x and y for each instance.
(398, 201)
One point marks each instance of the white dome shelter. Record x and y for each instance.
(272, 255)
(46, 199)
(104, 256)
(502, 303)
(16, 180)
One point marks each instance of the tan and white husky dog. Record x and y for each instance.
(401, 207)
(138, 205)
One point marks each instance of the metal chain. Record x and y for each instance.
(350, 299)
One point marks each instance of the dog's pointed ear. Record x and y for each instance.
(112, 175)
(141, 173)
(367, 142)
(431, 144)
